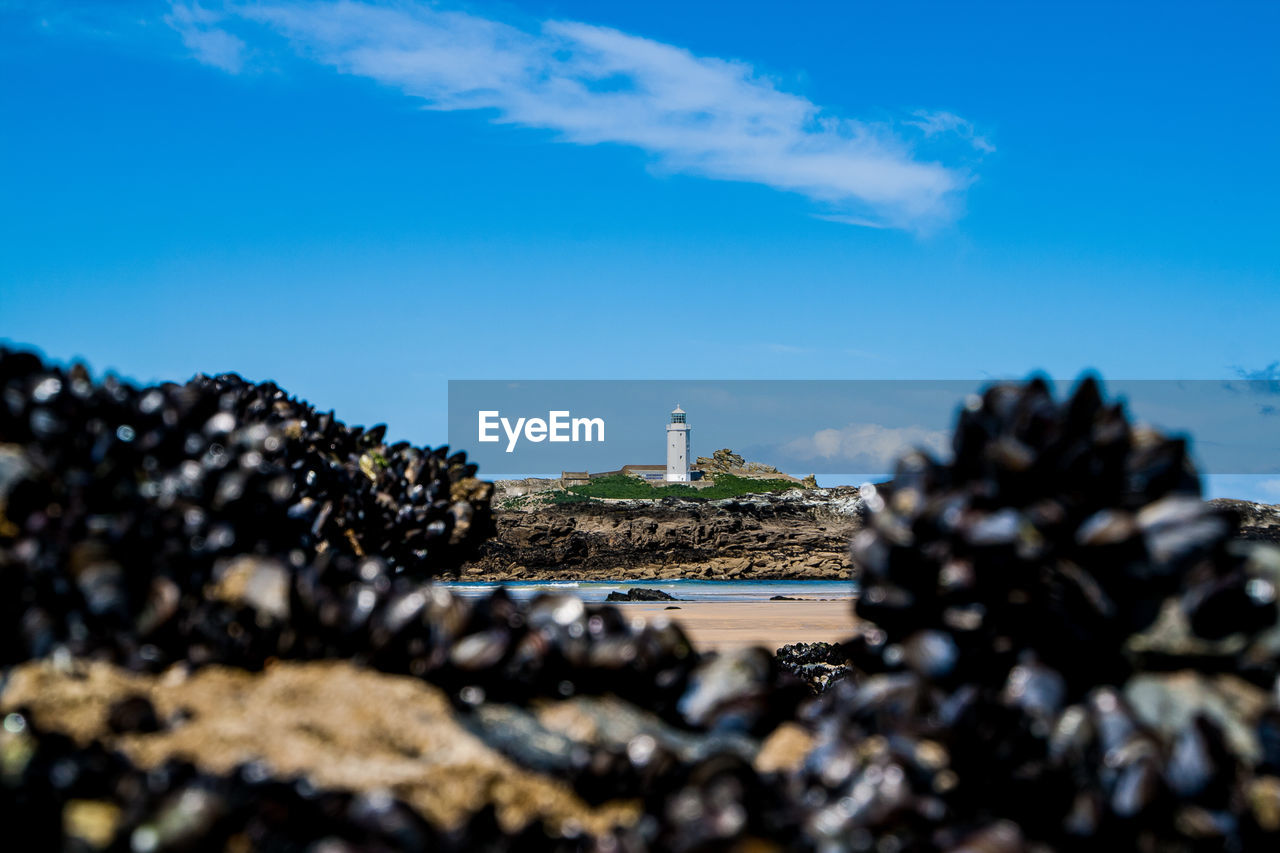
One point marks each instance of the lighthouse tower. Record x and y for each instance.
(677, 447)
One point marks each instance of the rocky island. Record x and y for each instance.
(802, 533)
(799, 534)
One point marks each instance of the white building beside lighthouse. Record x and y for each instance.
(678, 447)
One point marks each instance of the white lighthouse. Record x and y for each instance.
(677, 447)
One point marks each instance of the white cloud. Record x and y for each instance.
(716, 118)
(867, 447)
(940, 123)
(1270, 488)
(845, 219)
(201, 35)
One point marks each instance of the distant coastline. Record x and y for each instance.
(797, 534)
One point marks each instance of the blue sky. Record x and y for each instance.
(365, 200)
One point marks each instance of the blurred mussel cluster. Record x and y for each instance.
(1057, 643)
(1060, 644)
(224, 522)
(128, 513)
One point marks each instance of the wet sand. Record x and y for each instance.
(732, 624)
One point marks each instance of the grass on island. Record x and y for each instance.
(544, 498)
(633, 488)
(625, 487)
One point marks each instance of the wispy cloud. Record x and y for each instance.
(933, 124)
(204, 38)
(699, 115)
(846, 219)
(866, 447)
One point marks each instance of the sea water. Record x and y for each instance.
(686, 589)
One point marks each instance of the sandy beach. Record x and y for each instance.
(728, 625)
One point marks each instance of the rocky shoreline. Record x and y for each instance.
(801, 534)
(797, 534)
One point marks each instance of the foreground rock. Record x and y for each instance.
(311, 756)
(799, 534)
(1059, 647)
(338, 726)
(1024, 605)
(153, 520)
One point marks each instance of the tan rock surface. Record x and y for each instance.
(343, 727)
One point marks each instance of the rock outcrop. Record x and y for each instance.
(725, 461)
(801, 534)
(637, 593)
(1258, 522)
(795, 534)
(722, 460)
(819, 665)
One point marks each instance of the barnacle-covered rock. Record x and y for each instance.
(130, 514)
(1061, 646)
(221, 521)
(1057, 529)
(167, 529)
(819, 665)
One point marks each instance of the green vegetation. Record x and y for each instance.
(622, 486)
(536, 499)
(633, 488)
(567, 498)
